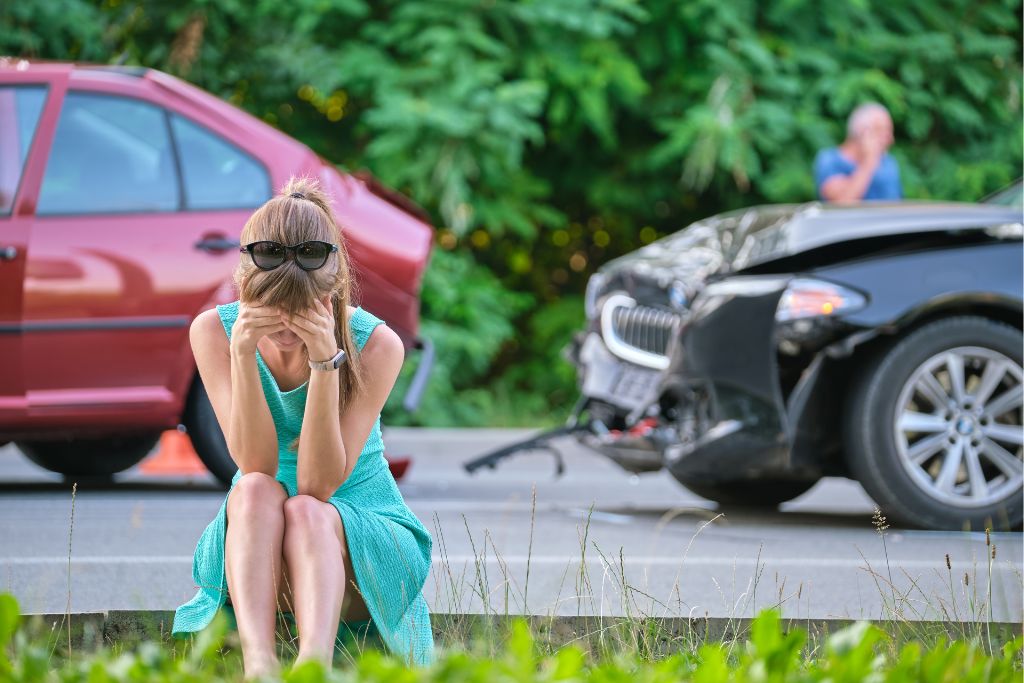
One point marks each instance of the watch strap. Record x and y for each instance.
(330, 364)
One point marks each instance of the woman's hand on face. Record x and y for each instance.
(315, 326)
(252, 323)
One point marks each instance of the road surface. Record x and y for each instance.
(600, 542)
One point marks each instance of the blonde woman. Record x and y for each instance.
(313, 526)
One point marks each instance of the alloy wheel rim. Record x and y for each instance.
(958, 426)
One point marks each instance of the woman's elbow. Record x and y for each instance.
(319, 492)
(251, 462)
(320, 489)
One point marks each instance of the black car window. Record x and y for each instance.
(1008, 196)
(217, 174)
(20, 108)
(111, 154)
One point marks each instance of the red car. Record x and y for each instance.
(123, 192)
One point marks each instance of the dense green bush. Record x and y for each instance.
(548, 136)
(857, 653)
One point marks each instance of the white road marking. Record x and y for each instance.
(124, 559)
(559, 560)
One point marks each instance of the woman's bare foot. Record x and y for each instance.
(324, 660)
(263, 667)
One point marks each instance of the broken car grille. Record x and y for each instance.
(637, 333)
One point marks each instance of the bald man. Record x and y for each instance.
(860, 168)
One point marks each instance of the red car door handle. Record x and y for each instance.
(8, 253)
(216, 244)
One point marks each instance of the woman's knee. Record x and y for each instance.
(255, 492)
(306, 513)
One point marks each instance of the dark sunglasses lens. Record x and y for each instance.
(267, 254)
(312, 255)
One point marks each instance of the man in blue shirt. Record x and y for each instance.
(860, 168)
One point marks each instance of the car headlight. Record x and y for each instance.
(810, 298)
(594, 285)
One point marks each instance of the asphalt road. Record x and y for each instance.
(601, 542)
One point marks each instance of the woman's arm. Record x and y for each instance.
(331, 443)
(253, 436)
(231, 379)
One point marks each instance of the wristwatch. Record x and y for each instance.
(328, 365)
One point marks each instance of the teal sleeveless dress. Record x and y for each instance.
(389, 547)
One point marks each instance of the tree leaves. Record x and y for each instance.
(513, 121)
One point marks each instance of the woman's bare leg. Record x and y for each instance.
(316, 570)
(253, 563)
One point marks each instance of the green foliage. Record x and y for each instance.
(8, 624)
(854, 654)
(467, 316)
(549, 136)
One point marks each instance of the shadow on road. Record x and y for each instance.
(112, 486)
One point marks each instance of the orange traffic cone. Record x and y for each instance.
(175, 456)
(397, 465)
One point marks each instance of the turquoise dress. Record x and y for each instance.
(389, 547)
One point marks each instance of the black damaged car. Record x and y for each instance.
(756, 351)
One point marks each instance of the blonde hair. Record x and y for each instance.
(301, 211)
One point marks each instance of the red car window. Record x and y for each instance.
(216, 173)
(111, 154)
(20, 108)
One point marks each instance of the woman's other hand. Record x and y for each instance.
(252, 323)
(315, 326)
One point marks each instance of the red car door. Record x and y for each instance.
(136, 224)
(22, 114)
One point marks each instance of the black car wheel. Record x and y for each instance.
(762, 493)
(89, 457)
(933, 431)
(207, 437)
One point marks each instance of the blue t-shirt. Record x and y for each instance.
(885, 183)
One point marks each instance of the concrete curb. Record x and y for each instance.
(126, 627)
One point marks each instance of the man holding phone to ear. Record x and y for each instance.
(860, 168)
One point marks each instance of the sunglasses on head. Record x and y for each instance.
(309, 255)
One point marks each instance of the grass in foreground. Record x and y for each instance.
(859, 652)
(963, 644)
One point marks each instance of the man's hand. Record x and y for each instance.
(873, 144)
